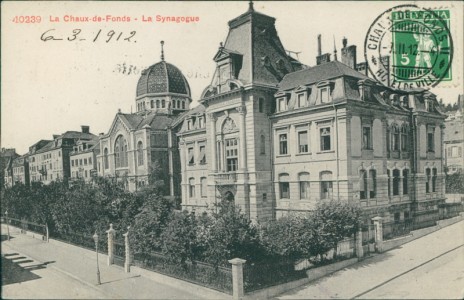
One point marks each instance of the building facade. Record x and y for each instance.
(49, 160)
(83, 160)
(20, 168)
(144, 143)
(454, 141)
(276, 137)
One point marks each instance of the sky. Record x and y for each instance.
(49, 87)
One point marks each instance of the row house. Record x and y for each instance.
(83, 159)
(51, 162)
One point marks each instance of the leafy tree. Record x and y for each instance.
(150, 223)
(179, 238)
(335, 220)
(230, 234)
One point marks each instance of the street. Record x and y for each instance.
(430, 267)
(23, 277)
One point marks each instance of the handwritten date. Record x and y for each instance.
(100, 35)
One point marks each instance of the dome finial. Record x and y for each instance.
(162, 50)
(250, 6)
(335, 49)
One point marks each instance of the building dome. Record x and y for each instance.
(162, 78)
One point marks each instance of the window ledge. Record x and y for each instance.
(283, 155)
(303, 153)
(326, 151)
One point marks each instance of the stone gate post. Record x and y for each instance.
(111, 233)
(127, 262)
(378, 233)
(237, 277)
(359, 246)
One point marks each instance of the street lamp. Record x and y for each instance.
(7, 226)
(95, 238)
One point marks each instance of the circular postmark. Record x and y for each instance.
(410, 47)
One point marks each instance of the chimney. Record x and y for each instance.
(321, 58)
(85, 129)
(349, 54)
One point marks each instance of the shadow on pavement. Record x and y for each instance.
(12, 272)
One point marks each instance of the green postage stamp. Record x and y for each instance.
(421, 45)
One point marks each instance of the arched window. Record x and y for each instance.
(405, 181)
(204, 186)
(152, 104)
(326, 185)
(372, 183)
(261, 105)
(262, 145)
(140, 153)
(363, 189)
(105, 158)
(304, 185)
(396, 182)
(284, 186)
(183, 104)
(163, 103)
(434, 180)
(427, 180)
(120, 152)
(157, 104)
(192, 188)
(395, 138)
(404, 138)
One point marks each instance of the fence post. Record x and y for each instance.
(127, 262)
(378, 233)
(237, 277)
(46, 231)
(111, 232)
(359, 244)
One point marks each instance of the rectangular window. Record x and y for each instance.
(72, 162)
(324, 95)
(90, 160)
(326, 189)
(430, 142)
(264, 197)
(367, 138)
(80, 162)
(304, 189)
(261, 105)
(283, 144)
(325, 139)
(303, 142)
(204, 187)
(231, 155)
(201, 122)
(284, 190)
(202, 158)
(301, 100)
(281, 104)
(85, 161)
(191, 158)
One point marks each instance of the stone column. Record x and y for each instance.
(359, 246)
(237, 277)
(243, 159)
(378, 233)
(212, 119)
(127, 262)
(111, 232)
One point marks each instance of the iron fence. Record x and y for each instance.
(396, 229)
(83, 240)
(261, 275)
(218, 278)
(119, 252)
(27, 226)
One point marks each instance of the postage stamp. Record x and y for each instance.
(408, 47)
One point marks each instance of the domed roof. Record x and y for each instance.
(163, 78)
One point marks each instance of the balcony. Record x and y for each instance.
(225, 178)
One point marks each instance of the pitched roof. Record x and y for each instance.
(153, 119)
(318, 73)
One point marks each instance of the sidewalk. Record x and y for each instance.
(80, 264)
(357, 280)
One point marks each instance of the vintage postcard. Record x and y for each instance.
(232, 149)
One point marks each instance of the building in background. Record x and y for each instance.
(20, 168)
(50, 162)
(454, 139)
(140, 144)
(7, 155)
(83, 159)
